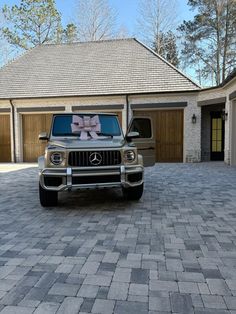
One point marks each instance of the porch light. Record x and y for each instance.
(194, 118)
(224, 115)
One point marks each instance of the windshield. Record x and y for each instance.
(63, 125)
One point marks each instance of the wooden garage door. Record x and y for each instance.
(32, 125)
(168, 128)
(5, 138)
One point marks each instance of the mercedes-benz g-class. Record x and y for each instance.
(87, 150)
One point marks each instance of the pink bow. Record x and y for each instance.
(86, 125)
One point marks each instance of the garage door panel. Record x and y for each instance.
(32, 125)
(5, 138)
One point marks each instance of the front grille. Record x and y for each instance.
(96, 179)
(83, 158)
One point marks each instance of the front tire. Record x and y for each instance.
(47, 198)
(133, 193)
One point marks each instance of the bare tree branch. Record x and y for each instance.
(155, 18)
(95, 20)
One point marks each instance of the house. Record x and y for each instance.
(121, 76)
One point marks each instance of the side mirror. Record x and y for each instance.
(43, 136)
(132, 135)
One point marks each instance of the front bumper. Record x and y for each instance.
(60, 179)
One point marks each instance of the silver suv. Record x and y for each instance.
(90, 151)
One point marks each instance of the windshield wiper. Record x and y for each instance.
(105, 134)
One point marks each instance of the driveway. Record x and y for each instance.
(172, 252)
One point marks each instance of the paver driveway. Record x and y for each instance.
(172, 252)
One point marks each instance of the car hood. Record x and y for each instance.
(89, 144)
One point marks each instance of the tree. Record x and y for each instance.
(6, 51)
(156, 17)
(96, 20)
(210, 38)
(167, 47)
(122, 32)
(32, 23)
(70, 33)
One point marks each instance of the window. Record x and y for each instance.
(143, 126)
(216, 134)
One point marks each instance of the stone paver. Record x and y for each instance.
(70, 305)
(118, 291)
(174, 251)
(88, 291)
(103, 306)
(63, 289)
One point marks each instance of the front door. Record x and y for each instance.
(217, 136)
(146, 141)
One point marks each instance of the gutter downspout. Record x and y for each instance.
(127, 112)
(13, 129)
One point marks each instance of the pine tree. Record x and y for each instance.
(32, 23)
(167, 48)
(210, 38)
(70, 33)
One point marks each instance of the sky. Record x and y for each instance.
(127, 11)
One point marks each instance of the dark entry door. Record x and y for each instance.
(217, 136)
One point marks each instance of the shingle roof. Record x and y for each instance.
(93, 68)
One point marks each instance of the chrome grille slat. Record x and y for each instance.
(81, 158)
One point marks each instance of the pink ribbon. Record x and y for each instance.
(86, 126)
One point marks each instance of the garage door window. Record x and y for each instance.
(143, 126)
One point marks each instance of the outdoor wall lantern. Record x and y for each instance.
(224, 115)
(194, 118)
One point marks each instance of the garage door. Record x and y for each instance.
(5, 138)
(168, 129)
(32, 125)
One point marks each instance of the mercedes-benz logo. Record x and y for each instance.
(95, 159)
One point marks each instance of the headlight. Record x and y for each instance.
(56, 158)
(129, 156)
